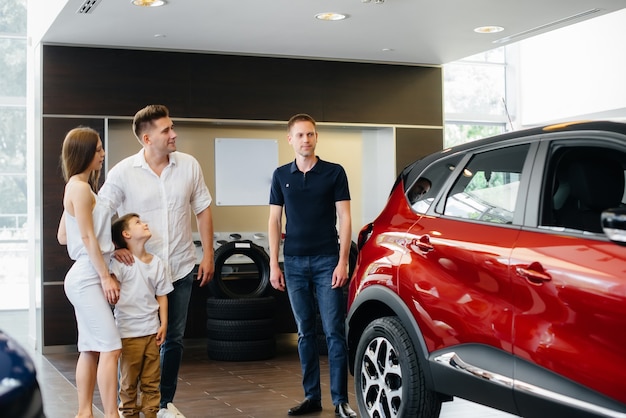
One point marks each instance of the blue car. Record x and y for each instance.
(20, 396)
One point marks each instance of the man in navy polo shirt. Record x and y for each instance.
(314, 194)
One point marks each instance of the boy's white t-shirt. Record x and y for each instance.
(137, 311)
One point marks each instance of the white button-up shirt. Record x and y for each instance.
(164, 202)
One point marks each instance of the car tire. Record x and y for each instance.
(240, 330)
(241, 350)
(254, 288)
(385, 353)
(240, 309)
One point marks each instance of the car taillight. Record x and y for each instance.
(364, 235)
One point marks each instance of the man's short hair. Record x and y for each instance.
(144, 117)
(300, 117)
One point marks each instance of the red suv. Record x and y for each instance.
(497, 273)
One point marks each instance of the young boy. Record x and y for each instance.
(142, 303)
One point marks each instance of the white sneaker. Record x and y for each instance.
(165, 413)
(171, 408)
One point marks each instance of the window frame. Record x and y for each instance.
(459, 174)
(542, 169)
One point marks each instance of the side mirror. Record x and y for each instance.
(614, 225)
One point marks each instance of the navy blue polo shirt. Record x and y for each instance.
(309, 203)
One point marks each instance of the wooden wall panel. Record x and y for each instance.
(412, 144)
(98, 81)
(59, 322)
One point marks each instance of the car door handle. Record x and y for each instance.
(534, 273)
(423, 243)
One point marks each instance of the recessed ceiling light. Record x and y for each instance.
(489, 29)
(330, 16)
(148, 3)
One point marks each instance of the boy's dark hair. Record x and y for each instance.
(120, 225)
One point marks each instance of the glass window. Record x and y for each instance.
(487, 188)
(461, 133)
(476, 97)
(495, 56)
(427, 184)
(581, 182)
(474, 89)
(13, 184)
(12, 66)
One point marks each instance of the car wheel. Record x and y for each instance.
(388, 379)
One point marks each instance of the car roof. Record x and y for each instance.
(577, 126)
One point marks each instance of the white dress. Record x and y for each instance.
(94, 317)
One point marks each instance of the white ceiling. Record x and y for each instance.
(416, 31)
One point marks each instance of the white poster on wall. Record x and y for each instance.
(243, 171)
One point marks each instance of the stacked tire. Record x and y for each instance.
(240, 317)
(241, 329)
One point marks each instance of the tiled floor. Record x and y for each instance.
(209, 388)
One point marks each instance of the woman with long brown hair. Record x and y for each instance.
(85, 228)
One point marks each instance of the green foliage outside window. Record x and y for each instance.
(456, 134)
(13, 49)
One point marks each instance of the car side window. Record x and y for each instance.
(427, 184)
(487, 187)
(580, 183)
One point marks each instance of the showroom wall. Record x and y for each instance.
(386, 109)
(574, 73)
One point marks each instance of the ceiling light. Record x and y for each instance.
(330, 16)
(489, 29)
(148, 3)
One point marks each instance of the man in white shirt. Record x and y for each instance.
(165, 186)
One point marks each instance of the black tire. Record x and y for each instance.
(388, 379)
(241, 350)
(237, 281)
(240, 330)
(237, 309)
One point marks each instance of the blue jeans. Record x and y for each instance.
(172, 347)
(306, 277)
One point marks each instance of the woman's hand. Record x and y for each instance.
(111, 288)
